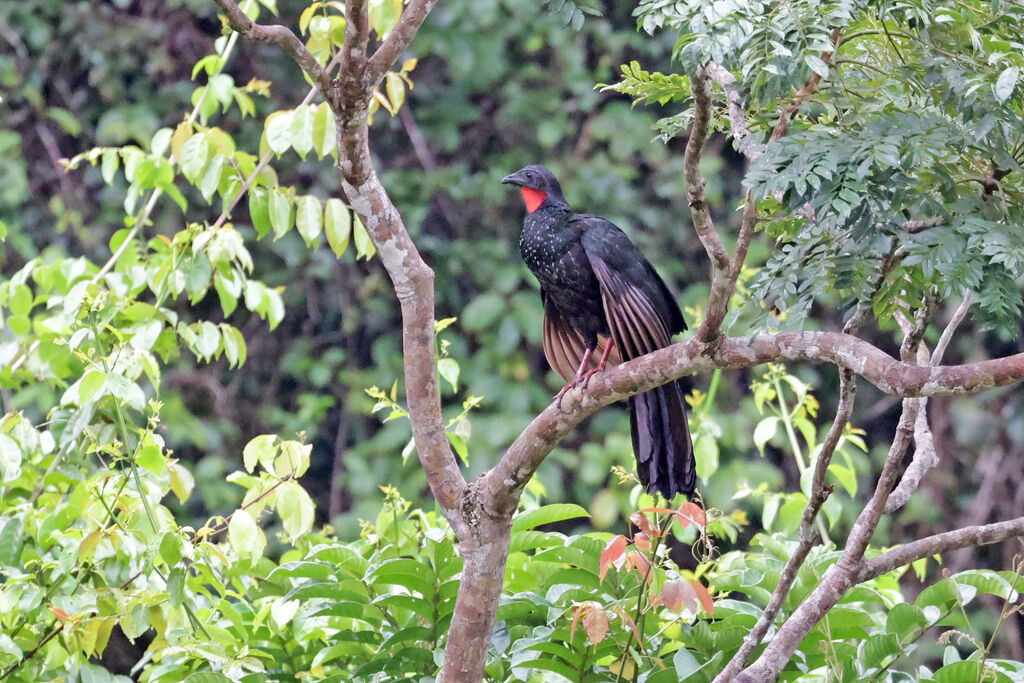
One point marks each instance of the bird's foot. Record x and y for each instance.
(580, 380)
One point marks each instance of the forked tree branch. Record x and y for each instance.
(745, 143)
(820, 491)
(396, 41)
(279, 35)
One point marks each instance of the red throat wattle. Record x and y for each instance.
(533, 198)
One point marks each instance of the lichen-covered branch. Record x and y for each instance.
(745, 143)
(503, 483)
(694, 180)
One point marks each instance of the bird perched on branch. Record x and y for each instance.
(605, 304)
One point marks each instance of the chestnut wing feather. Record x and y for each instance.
(564, 346)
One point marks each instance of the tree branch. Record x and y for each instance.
(925, 455)
(842, 575)
(396, 41)
(709, 237)
(971, 536)
(746, 144)
(353, 50)
(820, 491)
(279, 35)
(505, 481)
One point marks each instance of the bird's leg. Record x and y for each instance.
(579, 375)
(582, 374)
(601, 363)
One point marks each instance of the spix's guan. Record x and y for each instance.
(601, 295)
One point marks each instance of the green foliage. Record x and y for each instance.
(106, 480)
(909, 115)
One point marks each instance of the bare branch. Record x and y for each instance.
(279, 35)
(709, 237)
(396, 41)
(820, 491)
(925, 455)
(745, 142)
(806, 92)
(505, 481)
(922, 224)
(947, 334)
(353, 50)
(971, 536)
(843, 574)
(695, 181)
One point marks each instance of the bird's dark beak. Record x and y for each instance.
(512, 179)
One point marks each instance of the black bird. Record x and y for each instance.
(600, 293)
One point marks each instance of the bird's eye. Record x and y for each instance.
(529, 175)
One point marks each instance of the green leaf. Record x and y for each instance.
(904, 620)
(364, 246)
(176, 586)
(259, 211)
(337, 225)
(91, 382)
(10, 459)
(194, 155)
(309, 219)
(1006, 82)
(171, 548)
(325, 136)
(395, 86)
(448, 368)
(296, 510)
(278, 131)
(546, 515)
(301, 130)
(150, 456)
(282, 611)
(281, 213)
(234, 345)
(817, 65)
(245, 537)
(261, 449)
(109, 166)
(958, 672)
(764, 431)
(207, 677)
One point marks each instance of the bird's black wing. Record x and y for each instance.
(641, 312)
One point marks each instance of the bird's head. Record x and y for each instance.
(538, 186)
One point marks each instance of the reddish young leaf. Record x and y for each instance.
(611, 553)
(642, 541)
(641, 522)
(658, 510)
(704, 596)
(60, 614)
(676, 594)
(595, 622)
(628, 621)
(691, 512)
(638, 561)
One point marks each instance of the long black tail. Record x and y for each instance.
(661, 441)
